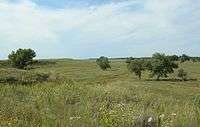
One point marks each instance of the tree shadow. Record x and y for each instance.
(43, 62)
(40, 63)
(172, 80)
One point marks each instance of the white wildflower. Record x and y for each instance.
(76, 118)
(162, 116)
(71, 118)
(173, 114)
(150, 119)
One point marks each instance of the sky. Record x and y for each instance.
(92, 28)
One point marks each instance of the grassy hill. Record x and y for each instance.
(79, 94)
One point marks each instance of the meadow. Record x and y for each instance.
(78, 93)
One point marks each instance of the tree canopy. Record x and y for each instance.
(103, 63)
(173, 58)
(161, 65)
(184, 58)
(136, 66)
(21, 58)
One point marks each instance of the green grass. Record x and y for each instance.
(82, 95)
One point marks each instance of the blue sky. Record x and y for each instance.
(91, 28)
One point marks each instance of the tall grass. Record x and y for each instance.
(89, 97)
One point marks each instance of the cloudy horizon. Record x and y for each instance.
(91, 28)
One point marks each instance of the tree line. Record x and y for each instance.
(159, 65)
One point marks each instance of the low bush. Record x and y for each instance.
(43, 62)
(182, 74)
(24, 78)
(184, 58)
(8, 79)
(41, 77)
(4, 63)
(128, 60)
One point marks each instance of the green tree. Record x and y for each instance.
(21, 58)
(103, 63)
(147, 65)
(184, 58)
(182, 74)
(136, 66)
(161, 65)
(173, 58)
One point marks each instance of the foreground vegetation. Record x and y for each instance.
(77, 93)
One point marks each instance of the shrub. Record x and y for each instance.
(4, 63)
(198, 59)
(8, 79)
(42, 77)
(193, 59)
(182, 74)
(184, 58)
(103, 63)
(128, 60)
(24, 78)
(21, 58)
(33, 78)
(44, 62)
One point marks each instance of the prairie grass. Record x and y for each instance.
(82, 95)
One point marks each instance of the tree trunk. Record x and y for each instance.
(139, 77)
(158, 78)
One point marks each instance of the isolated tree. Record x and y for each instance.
(136, 66)
(161, 65)
(103, 63)
(184, 58)
(182, 74)
(21, 58)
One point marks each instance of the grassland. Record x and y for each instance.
(79, 94)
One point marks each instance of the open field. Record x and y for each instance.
(80, 94)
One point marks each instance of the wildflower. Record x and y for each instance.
(121, 105)
(111, 112)
(78, 117)
(173, 114)
(162, 116)
(72, 118)
(150, 119)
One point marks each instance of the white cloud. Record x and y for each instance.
(128, 24)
